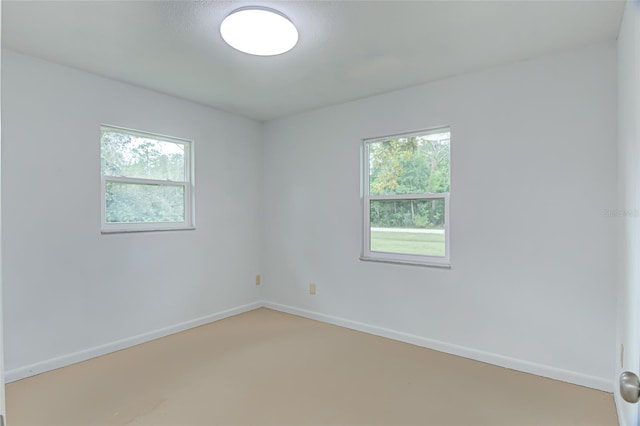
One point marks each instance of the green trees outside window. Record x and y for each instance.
(407, 194)
(146, 178)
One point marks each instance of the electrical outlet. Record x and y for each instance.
(312, 288)
(258, 279)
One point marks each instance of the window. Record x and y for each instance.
(146, 181)
(406, 198)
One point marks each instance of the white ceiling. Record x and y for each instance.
(347, 49)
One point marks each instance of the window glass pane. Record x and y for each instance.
(408, 226)
(410, 165)
(137, 203)
(132, 156)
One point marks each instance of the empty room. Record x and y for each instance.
(320, 213)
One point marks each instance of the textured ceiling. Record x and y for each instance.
(347, 49)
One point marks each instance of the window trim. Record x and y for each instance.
(188, 185)
(401, 258)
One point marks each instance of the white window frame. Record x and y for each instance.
(188, 185)
(402, 258)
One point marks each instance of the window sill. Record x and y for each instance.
(407, 262)
(131, 231)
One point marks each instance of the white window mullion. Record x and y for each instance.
(401, 197)
(145, 181)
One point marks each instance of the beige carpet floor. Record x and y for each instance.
(269, 368)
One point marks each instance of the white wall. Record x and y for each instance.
(68, 288)
(2, 393)
(533, 253)
(629, 191)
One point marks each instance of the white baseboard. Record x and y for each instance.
(594, 382)
(85, 354)
(488, 357)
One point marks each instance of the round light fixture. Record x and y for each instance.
(259, 31)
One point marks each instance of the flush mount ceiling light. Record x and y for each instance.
(259, 31)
